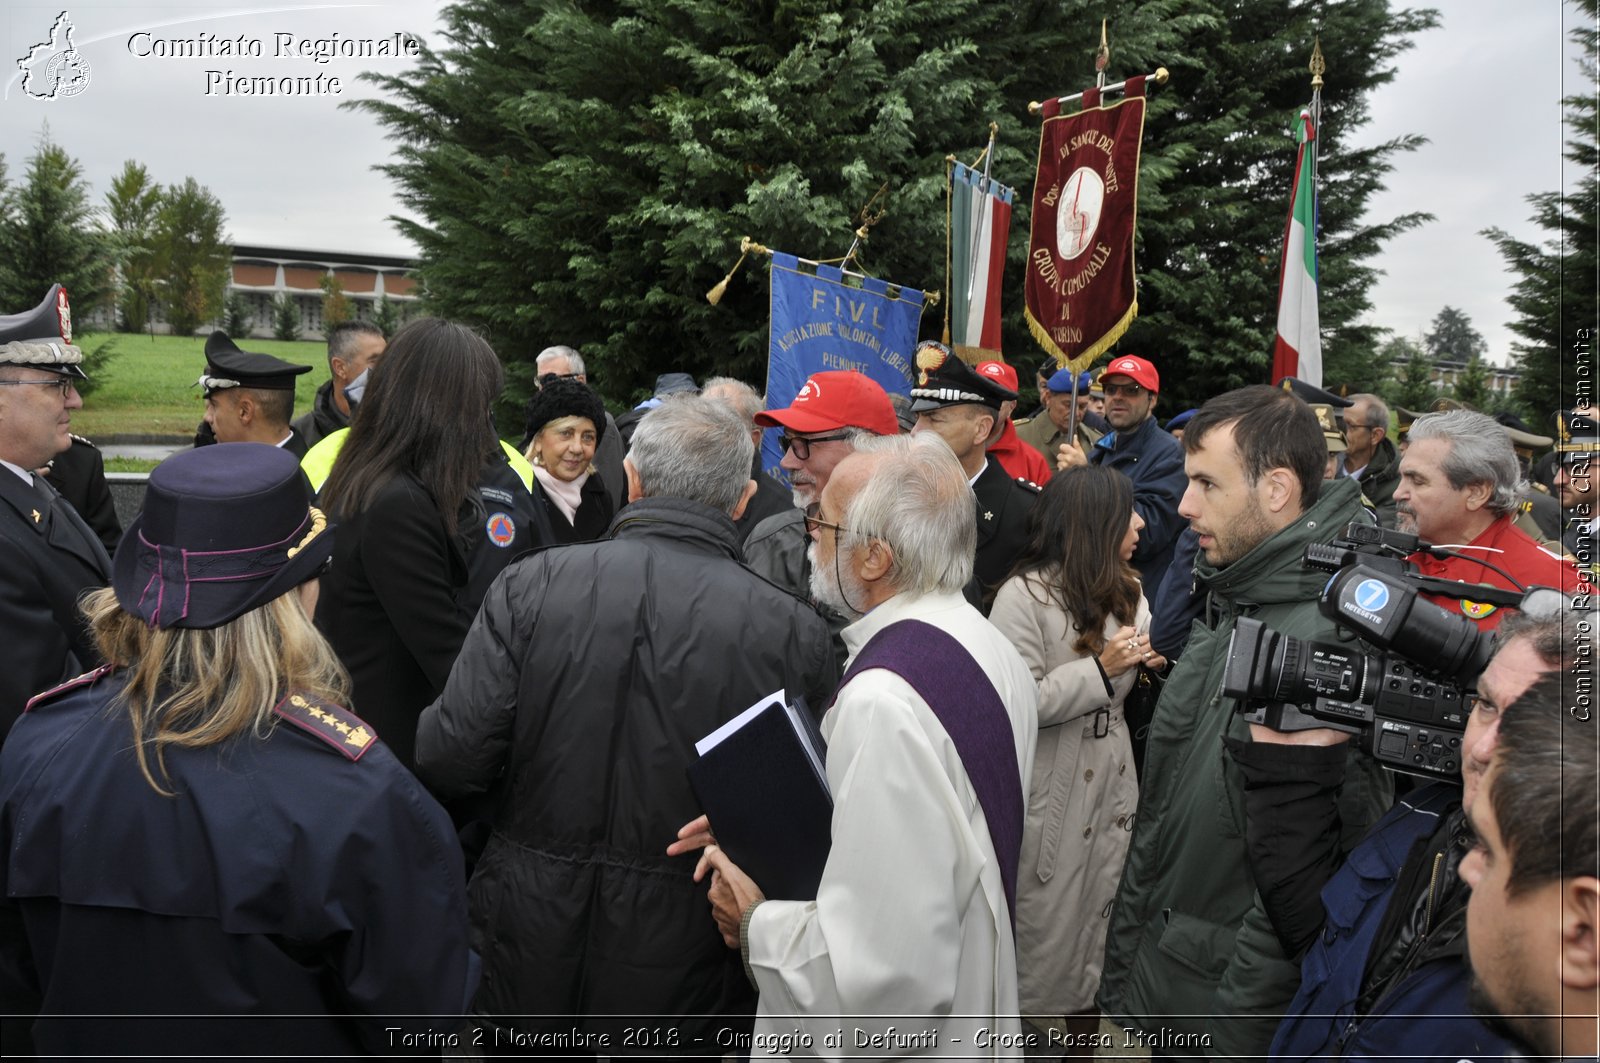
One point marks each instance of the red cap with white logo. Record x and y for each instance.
(1136, 369)
(833, 400)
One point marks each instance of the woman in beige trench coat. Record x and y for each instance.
(1075, 612)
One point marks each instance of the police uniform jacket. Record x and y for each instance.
(79, 473)
(1003, 505)
(302, 874)
(51, 557)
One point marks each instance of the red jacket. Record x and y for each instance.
(1508, 547)
(1019, 459)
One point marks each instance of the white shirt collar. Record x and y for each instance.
(26, 474)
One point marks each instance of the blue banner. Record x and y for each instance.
(822, 322)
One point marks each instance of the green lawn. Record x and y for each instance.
(148, 388)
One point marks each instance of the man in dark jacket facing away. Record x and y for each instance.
(1193, 966)
(582, 687)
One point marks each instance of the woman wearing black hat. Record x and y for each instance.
(200, 828)
(565, 422)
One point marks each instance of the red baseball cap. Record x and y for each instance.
(999, 371)
(1135, 368)
(834, 400)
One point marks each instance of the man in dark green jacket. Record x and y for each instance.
(1192, 966)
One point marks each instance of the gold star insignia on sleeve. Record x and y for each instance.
(36, 517)
(340, 726)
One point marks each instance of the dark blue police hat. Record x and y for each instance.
(229, 367)
(41, 338)
(224, 529)
(1578, 434)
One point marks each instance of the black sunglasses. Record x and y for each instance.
(802, 446)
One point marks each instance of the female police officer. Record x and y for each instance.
(199, 828)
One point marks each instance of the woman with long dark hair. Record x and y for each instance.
(405, 488)
(1074, 609)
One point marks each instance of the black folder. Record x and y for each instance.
(761, 780)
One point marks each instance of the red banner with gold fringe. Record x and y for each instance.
(1080, 288)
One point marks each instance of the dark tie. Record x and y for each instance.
(64, 525)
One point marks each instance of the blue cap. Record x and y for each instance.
(1061, 382)
(1181, 419)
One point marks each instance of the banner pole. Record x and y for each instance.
(1159, 77)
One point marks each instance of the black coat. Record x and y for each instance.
(1002, 514)
(578, 696)
(396, 609)
(593, 516)
(771, 497)
(79, 473)
(50, 560)
(302, 874)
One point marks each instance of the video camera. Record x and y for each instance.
(1409, 704)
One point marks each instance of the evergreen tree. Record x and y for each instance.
(386, 316)
(238, 315)
(193, 256)
(1557, 292)
(1453, 339)
(131, 207)
(1472, 387)
(555, 202)
(1413, 386)
(49, 235)
(285, 318)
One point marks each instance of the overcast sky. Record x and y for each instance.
(296, 171)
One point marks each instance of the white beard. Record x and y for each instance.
(835, 593)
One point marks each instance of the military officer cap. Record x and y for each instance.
(41, 338)
(1311, 395)
(1578, 435)
(945, 380)
(1332, 435)
(1404, 419)
(229, 367)
(1523, 441)
(1181, 419)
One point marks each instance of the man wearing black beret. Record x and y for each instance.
(250, 396)
(52, 556)
(961, 406)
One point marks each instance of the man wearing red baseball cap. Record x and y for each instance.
(1020, 461)
(820, 429)
(1150, 458)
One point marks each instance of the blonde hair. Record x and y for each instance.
(193, 688)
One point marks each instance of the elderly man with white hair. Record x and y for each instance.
(930, 744)
(1458, 488)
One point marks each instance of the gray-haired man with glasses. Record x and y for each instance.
(1370, 458)
(51, 556)
(820, 429)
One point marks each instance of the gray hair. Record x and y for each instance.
(342, 337)
(695, 448)
(1565, 639)
(744, 399)
(1377, 410)
(550, 354)
(918, 502)
(1480, 452)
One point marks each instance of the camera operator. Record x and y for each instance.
(1458, 487)
(1383, 967)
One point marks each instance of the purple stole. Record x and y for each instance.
(945, 676)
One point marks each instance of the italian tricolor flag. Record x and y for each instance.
(1298, 351)
(980, 219)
